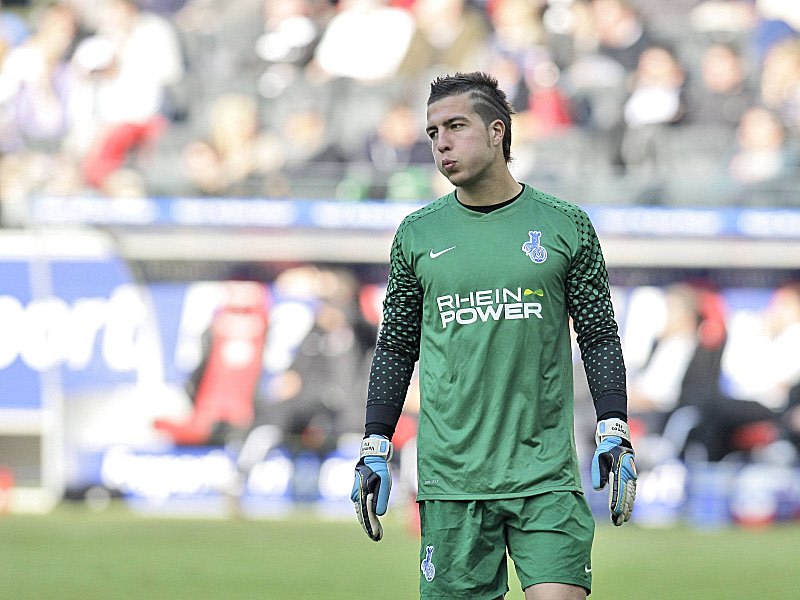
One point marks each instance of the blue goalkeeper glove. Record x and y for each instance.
(372, 484)
(614, 463)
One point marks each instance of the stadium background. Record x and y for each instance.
(197, 199)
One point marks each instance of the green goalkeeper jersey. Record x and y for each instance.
(484, 301)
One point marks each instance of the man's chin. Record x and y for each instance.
(455, 178)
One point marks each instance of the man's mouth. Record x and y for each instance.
(448, 165)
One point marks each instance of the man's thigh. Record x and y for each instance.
(550, 541)
(463, 551)
(555, 591)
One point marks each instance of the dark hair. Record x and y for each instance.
(489, 101)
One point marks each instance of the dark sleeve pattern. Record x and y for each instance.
(397, 348)
(589, 305)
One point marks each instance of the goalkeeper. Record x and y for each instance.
(482, 285)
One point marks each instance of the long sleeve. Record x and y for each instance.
(397, 348)
(589, 304)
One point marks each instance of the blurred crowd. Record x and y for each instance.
(692, 102)
(718, 383)
(713, 374)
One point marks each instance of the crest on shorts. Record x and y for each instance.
(533, 247)
(428, 570)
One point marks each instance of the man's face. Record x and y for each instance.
(463, 147)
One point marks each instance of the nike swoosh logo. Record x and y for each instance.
(433, 254)
(587, 569)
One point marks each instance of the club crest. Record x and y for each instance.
(533, 247)
(428, 570)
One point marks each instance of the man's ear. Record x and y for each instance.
(497, 130)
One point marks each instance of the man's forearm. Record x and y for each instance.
(390, 376)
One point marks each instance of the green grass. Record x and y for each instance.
(75, 554)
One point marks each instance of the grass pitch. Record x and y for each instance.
(76, 554)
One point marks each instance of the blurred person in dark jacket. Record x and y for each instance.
(312, 402)
(722, 90)
(656, 102)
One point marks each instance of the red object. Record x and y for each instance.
(6, 489)
(233, 369)
(637, 428)
(754, 435)
(713, 329)
(550, 107)
(114, 147)
(370, 301)
(406, 430)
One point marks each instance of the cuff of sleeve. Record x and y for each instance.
(612, 405)
(381, 419)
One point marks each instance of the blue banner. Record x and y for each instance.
(689, 222)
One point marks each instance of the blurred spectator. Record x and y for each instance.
(762, 153)
(655, 389)
(37, 104)
(238, 157)
(722, 92)
(509, 73)
(724, 18)
(397, 142)
(544, 149)
(36, 85)
(762, 360)
(676, 402)
(367, 40)
(393, 162)
(307, 138)
(522, 57)
(609, 37)
(596, 86)
(220, 41)
(316, 399)
(655, 103)
(657, 94)
(761, 375)
(289, 33)
(620, 31)
(451, 35)
(780, 82)
(292, 30)
(516, 27)
(314, 158)
(546, 110)
(682, 370)
(127, 67)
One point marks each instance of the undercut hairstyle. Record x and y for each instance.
(488, 100)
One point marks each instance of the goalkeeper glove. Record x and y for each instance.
(372, 484)
(613, 463)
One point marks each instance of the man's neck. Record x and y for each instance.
(490, 190)
(486, 209)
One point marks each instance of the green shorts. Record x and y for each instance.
(465, 543)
